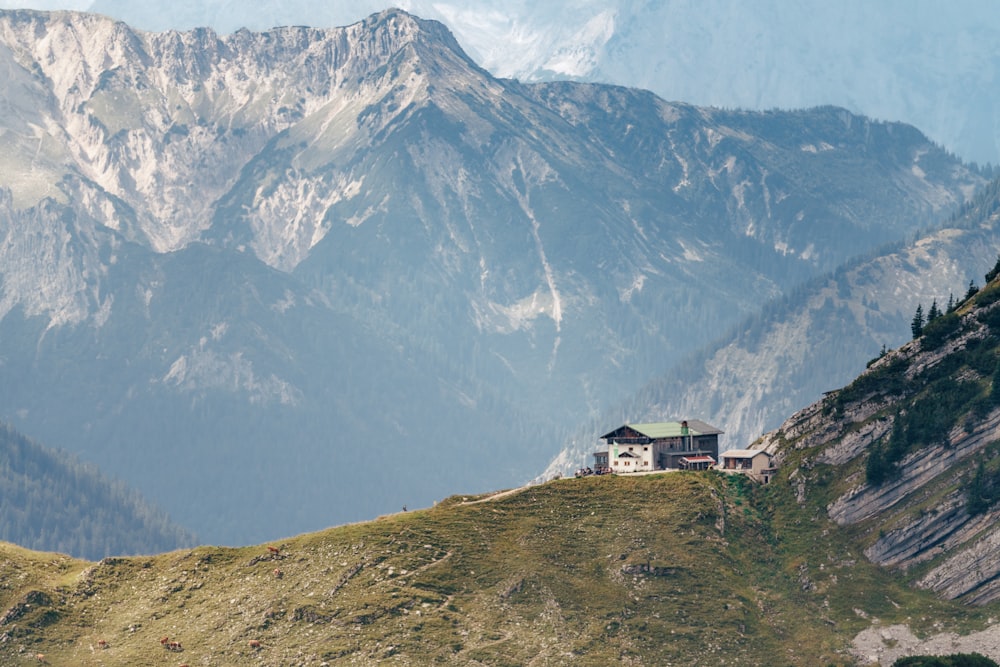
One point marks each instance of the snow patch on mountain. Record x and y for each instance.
(625, 295)
(690, 253)
(517, 316)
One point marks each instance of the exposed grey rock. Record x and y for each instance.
(973, 571)
(883, 645)
(917, 469)
(855, 442)
(926, 537)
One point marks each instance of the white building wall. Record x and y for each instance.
(645, 458)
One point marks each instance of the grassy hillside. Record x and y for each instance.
(679, 568)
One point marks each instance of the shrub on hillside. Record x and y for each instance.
(955, 660)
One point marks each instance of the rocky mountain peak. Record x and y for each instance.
(139, 118)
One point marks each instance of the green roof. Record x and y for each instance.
(669, 429)
(663, 429)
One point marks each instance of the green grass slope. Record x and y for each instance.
(678, 568)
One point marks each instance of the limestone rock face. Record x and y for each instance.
(919, 515)
(162, 123)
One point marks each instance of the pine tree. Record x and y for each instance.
(976, 497)
(899, 440)
(934, 312)
(994, 272)
(971, 292)
(995, 386)
(917, 325)
(877, 467)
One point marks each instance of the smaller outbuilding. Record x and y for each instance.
(695, 462)
(755, 463)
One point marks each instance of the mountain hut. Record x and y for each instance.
(686, 445)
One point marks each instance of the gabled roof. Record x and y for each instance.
(663, 429)
(743, 453)
(697, 459)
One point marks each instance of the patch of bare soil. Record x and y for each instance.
(884, 645)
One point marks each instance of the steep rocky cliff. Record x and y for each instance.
(905, 456)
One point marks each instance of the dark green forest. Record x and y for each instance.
(51, 501)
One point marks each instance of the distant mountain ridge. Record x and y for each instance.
(928, 64)
(51, 502)
(322, 274)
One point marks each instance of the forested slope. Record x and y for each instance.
(51, 501)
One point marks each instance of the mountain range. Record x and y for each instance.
(928, 64)
(300, 277)
(305, 276)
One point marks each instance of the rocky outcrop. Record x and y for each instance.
(855, 442)
(973, 572)
(917, 469)
(148, 115)
(840, 438)
(884, 645)
(927, 536)
(919, 516)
